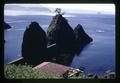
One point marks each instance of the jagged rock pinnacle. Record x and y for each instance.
(61, 33)
(34, 44)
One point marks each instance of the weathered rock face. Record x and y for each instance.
(6, 26)
(82, 38)
(61, 33)
(34, 44)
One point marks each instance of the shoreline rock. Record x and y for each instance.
(7, 26)
(81, 37)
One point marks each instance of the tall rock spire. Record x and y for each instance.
(34, 44)
(61, 33)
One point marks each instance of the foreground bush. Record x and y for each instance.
(23, 72)
(26, 72)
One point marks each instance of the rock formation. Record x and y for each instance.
(61, 33)
(61, 39)
(34, 44)
(67, 40)
(82, 38)
(6, 26)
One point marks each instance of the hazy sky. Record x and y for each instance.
(48, 9)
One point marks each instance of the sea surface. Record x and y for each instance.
(97, 57)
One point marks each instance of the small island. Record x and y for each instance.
(6, 26)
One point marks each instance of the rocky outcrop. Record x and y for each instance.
(6, 26)
(61, 43)
(34, 44)
(82, 38)
(67, 40)
(61, 33)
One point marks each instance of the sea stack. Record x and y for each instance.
(61, 33)
(6, 26)
(34, 44)
(82, 38)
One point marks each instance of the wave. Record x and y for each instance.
(100, 31)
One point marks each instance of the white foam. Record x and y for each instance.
(100, 31)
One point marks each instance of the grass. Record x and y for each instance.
(12, 71)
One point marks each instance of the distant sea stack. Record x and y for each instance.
(34, 44)
(61, 33)
(82, 38)
(6, 26)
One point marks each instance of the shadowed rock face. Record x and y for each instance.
(7, 26)
(82, 38)
(66, 42)
(34, 44)
(61, 33)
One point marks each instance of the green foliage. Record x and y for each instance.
(58, 10)
(23, 72)
(53, 24)
(12, 71)
(81, 76)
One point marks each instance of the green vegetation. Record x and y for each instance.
(81, 76)
(59, 11)
(52, 25)
(12, 71)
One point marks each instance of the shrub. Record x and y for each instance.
(12, 71)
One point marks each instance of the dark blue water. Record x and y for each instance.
(97, 57)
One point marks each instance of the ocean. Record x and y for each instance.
(97, 57)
